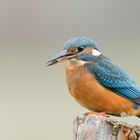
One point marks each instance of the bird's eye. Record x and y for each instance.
(76, 50)
(81, 48)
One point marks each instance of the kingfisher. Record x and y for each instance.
(95, 81)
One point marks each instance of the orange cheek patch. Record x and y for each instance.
(89, 50)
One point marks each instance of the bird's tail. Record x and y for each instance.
(137, 101)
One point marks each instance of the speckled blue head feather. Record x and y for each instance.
(79, 41)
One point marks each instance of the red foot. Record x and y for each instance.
(96, 113)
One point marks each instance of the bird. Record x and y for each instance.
(97, 82)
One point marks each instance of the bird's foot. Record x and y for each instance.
(96, 113)
(130, 134)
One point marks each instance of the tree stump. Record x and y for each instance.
(95, 127)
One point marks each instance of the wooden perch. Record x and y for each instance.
(95, 127)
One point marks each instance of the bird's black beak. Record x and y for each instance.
(63, 55)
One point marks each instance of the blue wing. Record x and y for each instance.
(110, 75)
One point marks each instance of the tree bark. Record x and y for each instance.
(96, 127)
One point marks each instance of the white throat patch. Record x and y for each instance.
(77, 62)
(96, 52)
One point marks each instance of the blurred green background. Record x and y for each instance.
(34, 100)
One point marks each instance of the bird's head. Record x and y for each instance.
(80, 48)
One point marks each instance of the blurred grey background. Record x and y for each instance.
(34, 100)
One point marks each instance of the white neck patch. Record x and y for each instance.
(96, 52)
(77, 62)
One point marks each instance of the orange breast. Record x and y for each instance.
(91, 94)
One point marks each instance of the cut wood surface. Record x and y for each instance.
(95, 127)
